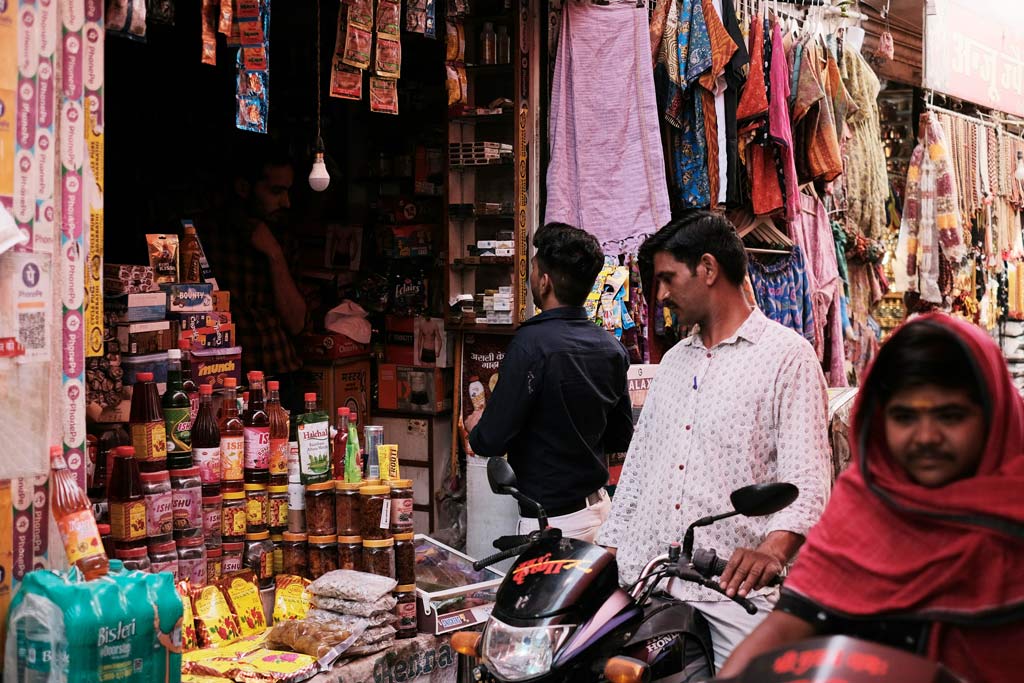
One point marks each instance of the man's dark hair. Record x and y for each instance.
(571, 257)
(253, 154)
(925, 353)
(694, 234)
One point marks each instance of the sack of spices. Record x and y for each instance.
(353, 586)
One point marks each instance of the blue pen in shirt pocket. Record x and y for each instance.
(695, 382)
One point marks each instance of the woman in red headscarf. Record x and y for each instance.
(922, 544)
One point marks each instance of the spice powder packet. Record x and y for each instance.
(388, 55)
(383, 95)
(389, 18)
(360, 13)
(357, 46)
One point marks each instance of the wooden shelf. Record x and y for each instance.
(478, 261)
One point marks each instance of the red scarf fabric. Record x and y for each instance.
(952, 555)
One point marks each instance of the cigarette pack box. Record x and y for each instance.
(143, 338)
(222, 301)
(220, 337)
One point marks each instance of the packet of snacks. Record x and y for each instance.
(189, 639)
(243, 595)
(291, 599)
(383, 95)
(215, 623)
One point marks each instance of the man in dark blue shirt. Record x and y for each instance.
(561, 402)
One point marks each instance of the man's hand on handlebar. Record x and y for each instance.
(749, 570)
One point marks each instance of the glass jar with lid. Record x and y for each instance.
(213, 523)
(405, 611)
(323, 555)
(379, 557)
(233, 517)
(347, 505)
(163, 557)
(294, 554)
(376, 512)
(257, 508)
(350, 553)
(134, 558)
(320, 519)
(405, 558)
(278, 512)
(278, 541)
(401, 505)
(259, 557)
(192, 560)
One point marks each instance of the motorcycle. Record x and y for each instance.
(560, 614)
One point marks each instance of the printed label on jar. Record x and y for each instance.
(193, 571)
(278, 457)
(296, 497)
(278, 512)
(232, 450)
(187, 504)
(263, 565)
(293, 460)
(256, 510)
(179, 438)
(171, 566)
(212, 522)
(233, 521)
(232, 563)
(160, 513)
(406, 613)
(150, 441)
(214, 570)
(314, 452)
(80, 535)
(257, 448)
(401, 513)
(385, 514)
(128, 520)
(208, 462)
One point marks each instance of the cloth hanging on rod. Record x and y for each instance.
(783, 292)
(865, 173)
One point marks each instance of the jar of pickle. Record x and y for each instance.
(379, 557)
(347, 505)
(192, 560)
(401, 506)
(278, 513)
(376, 512)
(233, 517)
(320, 519)
(278, 542)
(163, 557)
(257, 508)
(405, 611)
(350, 553)
(259, 557)
(405, 558)
(232, 558)
(294, 554)
(213, 523)
(214, 563)
(323, 555)
(136, 559)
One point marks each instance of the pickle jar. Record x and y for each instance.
(163, 557)
(213, 520)
(233, 517)
(405, 558)
(323, 555)
(192, 560)
(214, 563)
(257, 507)
(379, 557)
(350, 553)
(320, 519)
(401, 506)
(347, 505)
(232, 558)
(278, 513)
(278, 563)
(259, 557)
(136, 558)
(294, 554)
(375, 504)
(405, 611)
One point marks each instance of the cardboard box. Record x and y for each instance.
(153, 362)
(128, 279)
(329, 346)
(188, 297)
(213, 366)
(143, 338)
(343, 383)
(399, 339)
(220, 337)
(414, 389)
(196, 321)
(136, 308)
(222, 301)
(444, 608)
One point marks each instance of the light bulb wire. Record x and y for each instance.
(319, 139)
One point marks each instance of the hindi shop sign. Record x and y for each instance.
(974, 50)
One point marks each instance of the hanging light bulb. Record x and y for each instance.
(319, 178)
(1018, 173)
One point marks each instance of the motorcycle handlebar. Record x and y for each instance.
(503, 555)
(507, 542)
(708, 564)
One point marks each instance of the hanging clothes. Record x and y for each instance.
(607, 170)
(866, 176)
(783, 292)
(713, 86)
(814, 124)
(930, 229)
(779, 129)
(754, 115)
(735, 78)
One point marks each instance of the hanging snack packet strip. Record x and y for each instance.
(357, 46)
(253, 64)
(383, 95)
(389, 18)
(225, 17)
(388, 56)
(346, 82)
(209, 43)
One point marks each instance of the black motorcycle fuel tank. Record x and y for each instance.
(559, 581)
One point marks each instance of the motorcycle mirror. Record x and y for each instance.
(758, 500)
(500, 476)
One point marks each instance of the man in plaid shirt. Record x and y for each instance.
(249, 253)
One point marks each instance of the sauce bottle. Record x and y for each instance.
(353, 456)
(340, 445)
(149, 434)
(314, 443)
(73, 514)
(278, 463)
(127, 500)
(256, 431)
(206, 443)
(187, 383)
(177, 415)
(232, 440)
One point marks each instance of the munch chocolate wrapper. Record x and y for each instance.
(163, 257)
(383, 95)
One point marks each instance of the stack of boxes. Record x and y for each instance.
(478, 153)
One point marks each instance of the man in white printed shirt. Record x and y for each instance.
(742, 400)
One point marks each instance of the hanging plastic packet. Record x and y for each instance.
(458, 92)
(253, 64)
(209, 32)
(161, 12)
(358, 42)
(346, 82)
(388, 56)
(127, 18)
(225, 17)
(456, 42)
(430, 19)
(389, 18)
(383, 95)
(163, 257)
(360, 13)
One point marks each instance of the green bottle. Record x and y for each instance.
(177, 408)
(314, 443)
(353, 454)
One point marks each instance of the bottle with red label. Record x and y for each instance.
(340, 445)
(127, 500)
(73, 514)
(278, 464)
(187, 383)
(232, 439)
(256, 431)
(206, 443)
(149, 433)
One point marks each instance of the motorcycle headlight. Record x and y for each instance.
(518, 654)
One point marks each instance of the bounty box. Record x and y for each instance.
(188, 297)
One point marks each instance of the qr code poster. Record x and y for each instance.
(26, 303)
